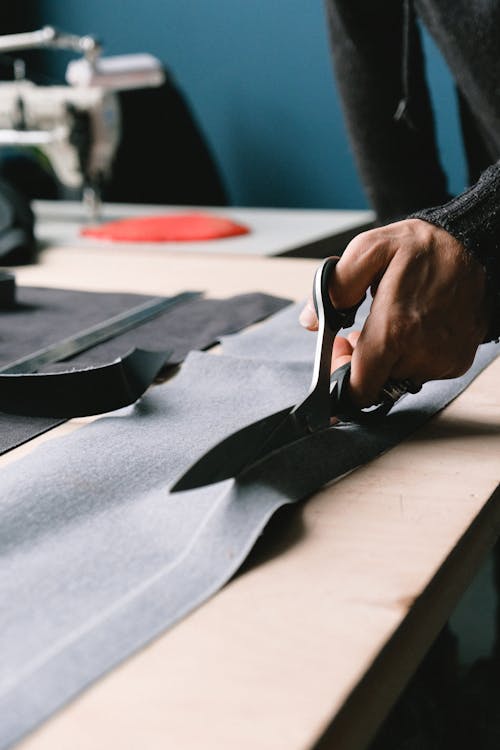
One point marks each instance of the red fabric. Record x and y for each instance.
(168, 228)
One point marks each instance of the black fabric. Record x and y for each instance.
(45, 316)
(398, 159)
(478, 157)
(194, 325)
(81, 392)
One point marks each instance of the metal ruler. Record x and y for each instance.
(96, 334)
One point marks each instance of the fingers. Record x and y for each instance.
(342, 352)
(366, 380)
(364, 264)
(341, 355)
(372, 363)
(429, 311)
(353, 338)
(361, 266)
(308, 318)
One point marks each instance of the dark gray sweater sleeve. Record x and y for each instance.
(377, 54)
(473, 218)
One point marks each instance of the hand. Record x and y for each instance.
(429, 311)
(343, 348)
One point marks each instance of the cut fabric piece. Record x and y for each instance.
(44, 316)
(84, 392)
(192, 227)
(195, 325)
(100, 558)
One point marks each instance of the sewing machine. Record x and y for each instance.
(76, 126)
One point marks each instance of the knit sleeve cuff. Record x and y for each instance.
(473, 218)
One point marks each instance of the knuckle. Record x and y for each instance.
(364, 243)
(421, 229)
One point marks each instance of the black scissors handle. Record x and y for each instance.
(335, 319)
(346, 410)
(342, 405)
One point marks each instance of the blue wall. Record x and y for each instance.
(257, 75)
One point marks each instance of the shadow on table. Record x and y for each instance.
(284, 530)
(446, 427)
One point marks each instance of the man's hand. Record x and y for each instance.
(429, 312)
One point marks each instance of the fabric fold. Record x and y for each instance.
(100, 558)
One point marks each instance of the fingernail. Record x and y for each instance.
(307, 317)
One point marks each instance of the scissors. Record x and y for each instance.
(328, 397)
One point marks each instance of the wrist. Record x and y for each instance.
(473, 219)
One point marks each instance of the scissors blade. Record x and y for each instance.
(245, 447)
(239, 450)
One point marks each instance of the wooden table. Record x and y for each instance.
(346, 592)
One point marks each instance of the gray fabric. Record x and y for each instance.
(98, 558)
(45, 316)
(281, 339)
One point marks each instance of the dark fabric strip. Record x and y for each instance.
(81, 392)
(43, 316)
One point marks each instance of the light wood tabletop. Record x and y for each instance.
(311, 644)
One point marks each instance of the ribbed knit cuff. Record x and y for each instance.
(473, 218)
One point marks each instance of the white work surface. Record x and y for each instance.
(274, 231)
(312, 643)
